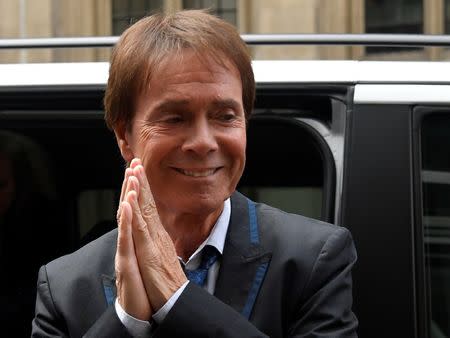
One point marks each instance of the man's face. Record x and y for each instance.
(189, 131)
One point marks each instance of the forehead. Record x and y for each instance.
(190, 66)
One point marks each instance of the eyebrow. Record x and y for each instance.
(171, 104)
(226, 104)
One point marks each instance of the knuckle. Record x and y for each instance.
(141, 227)
(148, 211)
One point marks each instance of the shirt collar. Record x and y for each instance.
(218, 233)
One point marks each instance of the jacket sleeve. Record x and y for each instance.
(199, 314)
(324, 309)
(48, 322)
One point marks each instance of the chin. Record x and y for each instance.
(204, 203)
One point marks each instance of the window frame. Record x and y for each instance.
(376, 202)
(218, 10)
(267, 94)
(377, 50)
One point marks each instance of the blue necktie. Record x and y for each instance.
(209, 256)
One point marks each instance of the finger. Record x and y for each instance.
(128, 172)
(132, 184)
(146, 201)
(141, 237)
(136, 161)
(145, 192)
(125, 246)
(130, 288)
(126, 217)
(123, 191)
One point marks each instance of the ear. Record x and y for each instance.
(123, 141)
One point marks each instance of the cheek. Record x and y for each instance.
(237, 147)
(141, 142)
(154, 153)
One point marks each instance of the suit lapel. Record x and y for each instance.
(244, 261)
(107, 277)
(109, 288)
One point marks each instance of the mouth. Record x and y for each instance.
(198, 172)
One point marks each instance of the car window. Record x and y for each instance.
(287, 166)
(290, 164)
(435, 153)
(58, 173)
(61, 171)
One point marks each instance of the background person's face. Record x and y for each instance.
(7, 186)
(190, 132)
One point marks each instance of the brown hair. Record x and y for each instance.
(151, 40)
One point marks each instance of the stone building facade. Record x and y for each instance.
(67, 18)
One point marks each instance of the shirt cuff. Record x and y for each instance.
(161, 314)
(135, 327)
(142, 328)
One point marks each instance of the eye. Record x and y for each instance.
(173, 119)
(227, 116)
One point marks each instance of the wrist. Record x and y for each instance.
(165, 290)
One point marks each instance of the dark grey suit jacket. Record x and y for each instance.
(281, 275)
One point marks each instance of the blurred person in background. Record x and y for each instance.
(27, 197)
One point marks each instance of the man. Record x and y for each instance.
(179, 95)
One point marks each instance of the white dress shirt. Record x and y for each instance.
(141, 328)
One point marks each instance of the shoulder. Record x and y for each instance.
(278, 228)
(273, 220)
(293, 235)
(305, 251)
(74, 287)
(93, 258)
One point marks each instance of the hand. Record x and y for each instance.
(158, 262)
(130, 287)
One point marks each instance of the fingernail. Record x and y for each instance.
(135, 162)
(136, 171)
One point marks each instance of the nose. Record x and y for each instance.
(201, 138)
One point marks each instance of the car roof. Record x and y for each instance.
(279, 71)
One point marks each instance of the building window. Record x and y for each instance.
(125, 13)
(447, 16)
(393, 17)
(226, 9)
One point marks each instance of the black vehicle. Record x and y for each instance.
(365, 145)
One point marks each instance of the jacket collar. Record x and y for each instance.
(244, 261)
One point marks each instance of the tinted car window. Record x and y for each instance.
(61, 171)
(287, 164)
(435, 139)
(57, 173)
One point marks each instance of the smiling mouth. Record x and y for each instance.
(197, 172)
